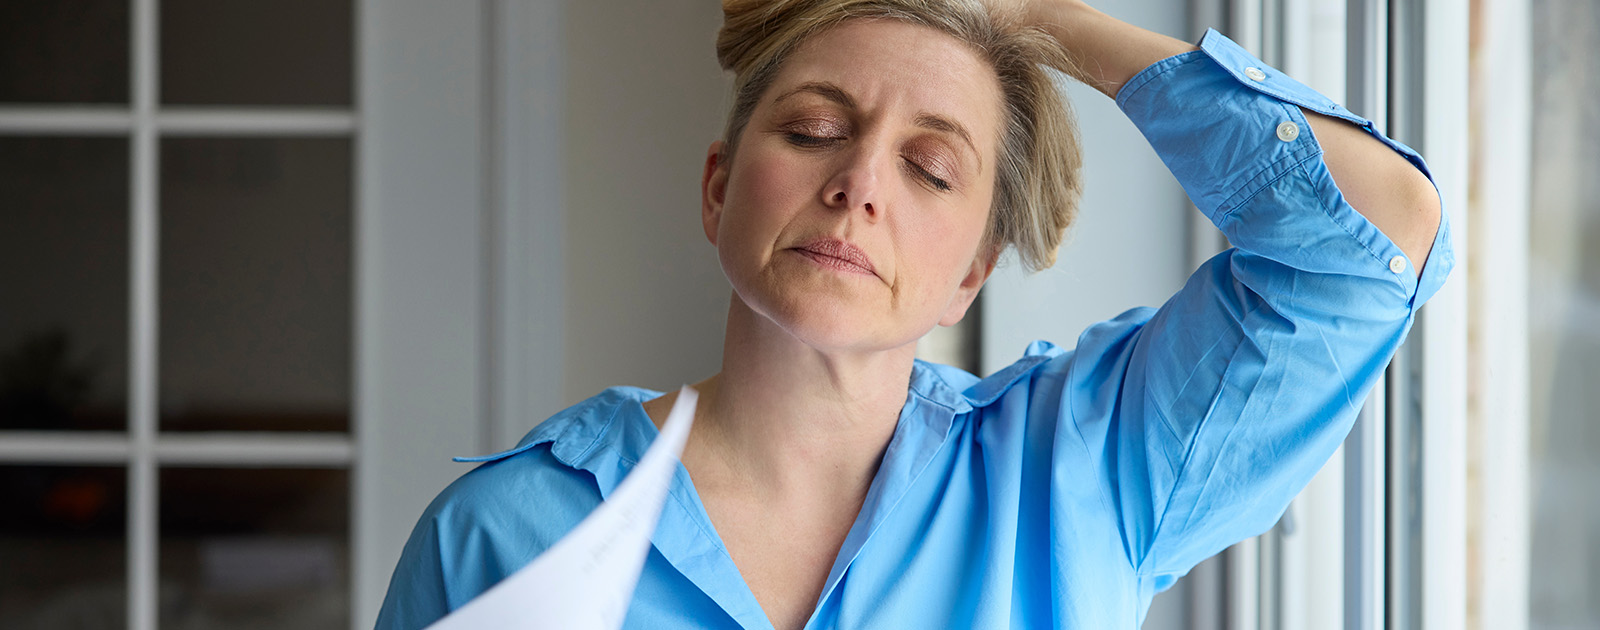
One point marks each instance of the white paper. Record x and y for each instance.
(586, 580)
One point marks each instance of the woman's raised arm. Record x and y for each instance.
(1378, 182)
(1203, 418)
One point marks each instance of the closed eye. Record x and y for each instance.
(803, 140)
(933, 180)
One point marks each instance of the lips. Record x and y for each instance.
(838, 254)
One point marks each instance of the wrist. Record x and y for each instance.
(1104, 52)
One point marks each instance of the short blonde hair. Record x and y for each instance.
(1038, 179)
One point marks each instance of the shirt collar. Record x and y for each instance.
(579, 435)
(582, 433)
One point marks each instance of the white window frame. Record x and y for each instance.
(1443, 79)
(1499, 498)
(142, 449)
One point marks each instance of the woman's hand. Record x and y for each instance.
(1375, 180)
(1105, 52)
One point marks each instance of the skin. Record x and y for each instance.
(817, 357)
(1375, 180)
(816, 360)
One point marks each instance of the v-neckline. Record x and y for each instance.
(689, 541)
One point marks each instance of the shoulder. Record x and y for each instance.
(520, 501)
(531, 494)
(1043, 367)
(502, 514)
(481, 528)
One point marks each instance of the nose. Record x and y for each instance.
(855, 185)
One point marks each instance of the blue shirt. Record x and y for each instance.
(1069, 488)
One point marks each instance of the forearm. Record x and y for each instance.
(1105, 52)
(1380, 184)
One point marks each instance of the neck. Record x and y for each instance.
(786, 419)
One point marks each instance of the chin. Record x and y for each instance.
(821, 310)
(832, 323)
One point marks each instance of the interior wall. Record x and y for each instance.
(1564, 322)
(645, 298)
(1129, 245)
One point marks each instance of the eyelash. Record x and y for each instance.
(812, 142)
(933, 180)
(803, 140)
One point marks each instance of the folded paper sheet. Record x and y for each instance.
(586, 580)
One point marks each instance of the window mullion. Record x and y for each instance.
(1439, 85)
(1243, 562)
(64, 447)
(1364, 515)
(76, 120)
(1366, 90)
(1403, 570)
(142, 514)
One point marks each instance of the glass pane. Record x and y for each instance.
(64, 51)
(246, 52)
(1564, 317)
(247, 548)
(63, 283)
(255, 284)
(62, 547)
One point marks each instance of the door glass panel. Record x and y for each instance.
(64, 51)
(63, 283)
(1564, 317)
(255, 284)
(246, 52)
(255, 548)
(61, 547)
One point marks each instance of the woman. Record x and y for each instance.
(880, 156)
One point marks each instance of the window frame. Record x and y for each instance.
(1498, 422)
(142, 449)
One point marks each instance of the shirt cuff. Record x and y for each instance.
(1205, 126)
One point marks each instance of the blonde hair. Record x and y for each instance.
(1038, 179)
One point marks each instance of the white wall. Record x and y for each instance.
(419, 268)
(645, 297)
(1129, 246)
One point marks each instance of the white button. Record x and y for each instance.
(1255, 74)
(1288, 131)
(1397, 264)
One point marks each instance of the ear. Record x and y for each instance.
(982, 265)
(713, 189)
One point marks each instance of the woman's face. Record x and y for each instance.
(854, 207)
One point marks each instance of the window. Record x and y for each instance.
(176, 196)
(1563, 284)
(1378, 539)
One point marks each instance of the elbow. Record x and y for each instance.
(1382, 185)
(1422, 213)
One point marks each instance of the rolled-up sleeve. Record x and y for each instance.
(1222, 404)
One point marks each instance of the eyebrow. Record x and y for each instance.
(925, 120)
